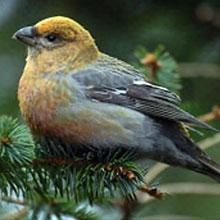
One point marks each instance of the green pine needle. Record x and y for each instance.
(89, 181)
(165, 74)
(16, 143)
(45, 207)
(16, 153)
(57, 173)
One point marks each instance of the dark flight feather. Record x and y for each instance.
(119, 83)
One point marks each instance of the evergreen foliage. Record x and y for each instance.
(54, 184)
(159, 67)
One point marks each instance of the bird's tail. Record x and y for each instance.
(177, 149)
(209, 168)
(189, 155)
(201, 162)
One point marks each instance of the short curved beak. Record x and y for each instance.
(26, 35)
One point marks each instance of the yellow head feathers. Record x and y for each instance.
(67, 28)
(57, 44)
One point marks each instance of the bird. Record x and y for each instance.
(76, 97)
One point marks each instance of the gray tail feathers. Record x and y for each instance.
(194, 121)
(202, 162)
(209, 168)
(185, 152)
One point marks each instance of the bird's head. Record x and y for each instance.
(57, 42)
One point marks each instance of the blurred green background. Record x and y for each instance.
(190, 30)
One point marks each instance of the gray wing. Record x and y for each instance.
(113, 81)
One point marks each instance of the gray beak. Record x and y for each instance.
(26, 35)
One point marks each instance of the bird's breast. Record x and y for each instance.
(39, 99)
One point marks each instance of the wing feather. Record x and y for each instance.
(116, 82)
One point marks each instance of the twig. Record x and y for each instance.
(155, 171)
(209, 142)
(60, 162)
(213, 115)
(193, 188)
(154, 192)
(127, 208)
(185, 188)
(151, 61)
(199, 69)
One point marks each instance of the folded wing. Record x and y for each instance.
(122, 85)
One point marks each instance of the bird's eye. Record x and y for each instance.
(51, 37)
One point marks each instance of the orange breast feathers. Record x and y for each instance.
(42, 100)
(39, 97)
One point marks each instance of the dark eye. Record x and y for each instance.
(51, 37)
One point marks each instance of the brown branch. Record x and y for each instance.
(150, 60)
(211, 116)
(154, 192)
(154, 172)
(199, 69)
(185, 188)
(173, 189)
(60, 162)
(128, 206)
(5, 140)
